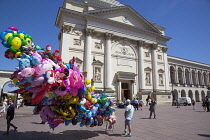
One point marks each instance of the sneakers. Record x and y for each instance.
(129, 135)
(125, 133)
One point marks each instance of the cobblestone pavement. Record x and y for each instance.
(171, 124)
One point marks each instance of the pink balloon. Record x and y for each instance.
(13, 28)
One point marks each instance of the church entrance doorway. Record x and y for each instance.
(125, 91)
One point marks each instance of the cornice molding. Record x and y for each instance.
(84, 16)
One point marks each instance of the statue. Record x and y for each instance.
(147, 79)
(97, 75)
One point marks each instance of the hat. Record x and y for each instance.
(128, 101)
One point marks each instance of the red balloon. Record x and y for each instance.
(8, 54)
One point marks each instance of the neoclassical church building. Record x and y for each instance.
(124, 54)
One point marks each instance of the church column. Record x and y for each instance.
(190, 77)
(132, 89)
(167, 72)
(141, 65)
(207, 79)
(183, 77)
(196, 78)
(108, 70)
(154, 67)
(119, 94)
(87, 53)
(176, 75)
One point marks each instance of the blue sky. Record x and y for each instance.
(187, 22)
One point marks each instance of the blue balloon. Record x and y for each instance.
(2, 35)
(5, 44)
(9, 31)
(67, 122)
(68, 65)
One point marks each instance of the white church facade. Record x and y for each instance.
(124, 54)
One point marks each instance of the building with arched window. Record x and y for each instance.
(124, 54)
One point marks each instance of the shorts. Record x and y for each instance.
(127, 122)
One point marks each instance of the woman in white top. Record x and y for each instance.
(4, 107)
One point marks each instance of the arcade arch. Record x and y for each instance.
(202, 94)
(197, 99)
(190, 94)
(183, 93)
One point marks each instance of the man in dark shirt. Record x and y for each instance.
(10, 116)
(152, 108)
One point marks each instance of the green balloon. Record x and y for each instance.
(9, 40)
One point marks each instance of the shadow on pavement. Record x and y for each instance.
(69, 134)
(204, 135)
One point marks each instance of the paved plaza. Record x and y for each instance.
(171, 124)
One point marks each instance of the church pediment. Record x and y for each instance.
(125, 15)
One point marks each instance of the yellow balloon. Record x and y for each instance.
(28, 40)
(7, 35)
(16, 43)
(94, 100)
(74, 100)
(88, 96)
(15, 80)
(93, 88)
(87, 82)
(17, 54)
(90, 89)
(22, 35)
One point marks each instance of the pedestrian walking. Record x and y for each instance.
(4, 107)
(177, 103)
(152, 108)
(204, 105)
(147, 100)
(141, 103)
(207, 103)
(129, 109)
(193, 103)
(136, 104)
(18, 104)
(10, 116)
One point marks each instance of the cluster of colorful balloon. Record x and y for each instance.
(60, 90)
(16, 40)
